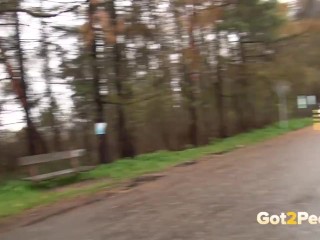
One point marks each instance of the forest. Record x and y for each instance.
(162, 74)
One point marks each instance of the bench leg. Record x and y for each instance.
(33, 170)
(75, 163)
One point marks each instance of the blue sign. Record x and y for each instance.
(100, 128)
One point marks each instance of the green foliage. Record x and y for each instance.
(259, 19)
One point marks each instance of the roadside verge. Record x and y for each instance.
(17, 196)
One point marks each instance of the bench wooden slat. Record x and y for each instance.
(61, 173)
(50, 157)
(86, 168)
(48, 176)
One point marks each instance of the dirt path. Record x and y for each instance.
(217, 198)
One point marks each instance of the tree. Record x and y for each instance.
(100, 118)
(51, 111)
(251, 22)
(125, 140)
(17, 75)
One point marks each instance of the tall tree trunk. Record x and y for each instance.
(191, 79)
(247, 115)
(219, 90)
(125, 139)
(47, 75)
(100, 118)
(32, 134)
(188, 77)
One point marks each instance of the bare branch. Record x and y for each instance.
(39, 14)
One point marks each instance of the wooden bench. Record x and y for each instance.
(32, 163)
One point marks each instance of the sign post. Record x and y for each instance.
(282, 88)
(100, 131)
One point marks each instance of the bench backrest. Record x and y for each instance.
(51, 157)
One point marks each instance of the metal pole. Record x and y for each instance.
(283, 111)
(281, 89)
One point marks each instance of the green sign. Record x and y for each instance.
(302, 102)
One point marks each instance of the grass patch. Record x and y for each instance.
(17, 196)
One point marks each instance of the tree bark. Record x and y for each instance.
(191, 79)
(102, 140)
(32, 134)
(125, 139)
(245, 111)
(47, 75)
(219, 90)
